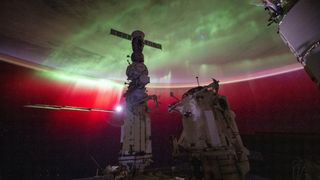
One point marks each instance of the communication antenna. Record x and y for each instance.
(197, 80)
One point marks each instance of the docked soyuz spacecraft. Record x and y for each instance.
(299, 28)
(136, 152)
(210, 138)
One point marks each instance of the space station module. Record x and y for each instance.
(136, 151)
(210, 134)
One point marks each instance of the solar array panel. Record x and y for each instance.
(152, 44)
(127, 36)
(120, 34)
(72, 108)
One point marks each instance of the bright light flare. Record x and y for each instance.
(118, 109)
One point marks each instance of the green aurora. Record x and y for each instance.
(205, 38)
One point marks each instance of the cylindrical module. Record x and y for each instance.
(136, 150)
(300, 30)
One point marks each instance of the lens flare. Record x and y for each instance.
(118, 108)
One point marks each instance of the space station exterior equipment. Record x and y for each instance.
(136, 151)
(300, 30)
(210, 134)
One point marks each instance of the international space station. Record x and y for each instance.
(210, 134)
(210, 146)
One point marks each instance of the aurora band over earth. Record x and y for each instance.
(227, 40)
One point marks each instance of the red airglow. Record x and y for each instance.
(26, 87)
(277, 103)
(82, 96)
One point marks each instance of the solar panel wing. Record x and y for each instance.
(127, 36)
(152, 44)
(120, 34)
